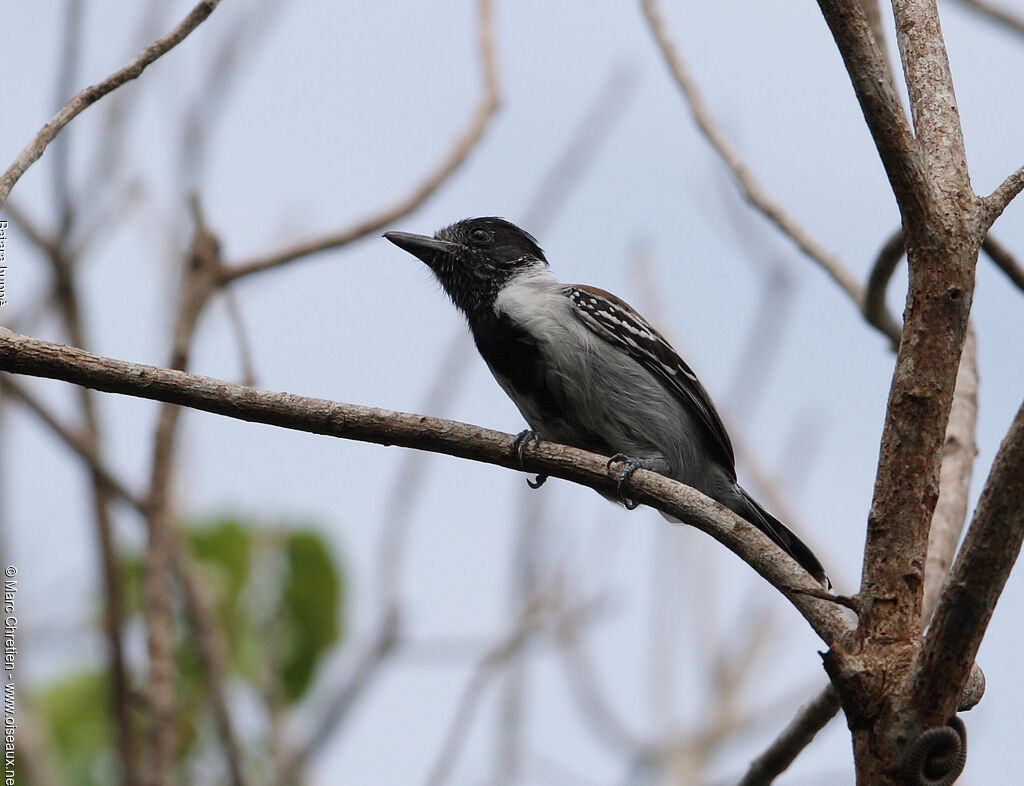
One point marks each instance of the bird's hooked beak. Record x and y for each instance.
(422, 246)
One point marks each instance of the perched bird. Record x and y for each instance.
(587, 370)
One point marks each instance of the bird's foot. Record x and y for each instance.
(523, 439)
(631, 465)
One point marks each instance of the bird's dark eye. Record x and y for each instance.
(480, 236)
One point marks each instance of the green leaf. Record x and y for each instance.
(226, 544)
(311, 600)
(77, 709)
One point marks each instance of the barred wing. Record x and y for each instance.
(617, 323)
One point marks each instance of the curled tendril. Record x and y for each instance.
(938, 755)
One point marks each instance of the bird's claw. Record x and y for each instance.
(632, 464)
(523, 439)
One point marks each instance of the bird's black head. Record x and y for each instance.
(473, 259)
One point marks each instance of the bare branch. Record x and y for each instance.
(885, 118)
(213, 654)
(463, 146)
(753, 190)
(1001, 255)
(79, 445)
(942, 230)
(201, 273)
(932, 99)
(958, 455)
(90, 95)
(24, 355)
(995, 13)
(70, 47)
(889, 257)
(248, 29)
(595, 708)
(873, 12)
(115, 207)
(345, 697)
(580, 149)
(875, 310)
(407, 485)
(241, 336)
(982, 567)
(811, 719)
(495, 658)
(996, 202)
(40, 238)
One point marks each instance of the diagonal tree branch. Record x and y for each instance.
(24, 355)
(996, 202)
(364, 670)
(995, 13)
(809, 720)
(452, 160)
(84, 448)
(1004, 260)
(989, 551)
(752, 188)
(90, 95)
(880, 104)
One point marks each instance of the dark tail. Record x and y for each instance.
(779, 533)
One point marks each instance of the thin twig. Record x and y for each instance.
(70, 47)
(345, 698)
(996, 202)
(594, 706)
(42, 239)
(776, 759)
(237, 321)
(580, 150)
(21, 354)
(213, 654)
(875, 310)
(498, 656)
(997, 14)
(90, 95)
(452, 160)
(248, 29)
(408, 482)
(76, 442)
(1004, 260)
(115, 207)
(754, 191)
